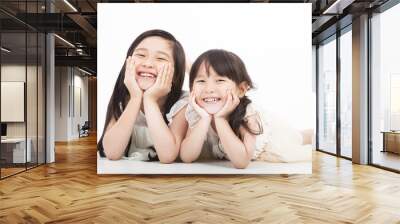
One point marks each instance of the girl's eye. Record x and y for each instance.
(221, 80)
(200, 80)
(139, 55)
(162, 59)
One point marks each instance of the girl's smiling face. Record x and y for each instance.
(211, 90)
(149, 56)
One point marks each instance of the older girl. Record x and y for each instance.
(142, 122)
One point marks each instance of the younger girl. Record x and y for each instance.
(142, 103)
(219, 112)
(221, 116)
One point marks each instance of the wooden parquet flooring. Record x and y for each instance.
(10, 171)
(70, 191)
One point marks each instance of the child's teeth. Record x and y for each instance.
(210, 99)
(147, 75)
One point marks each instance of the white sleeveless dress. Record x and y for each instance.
(277, 143)
(141, 145)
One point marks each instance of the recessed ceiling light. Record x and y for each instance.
(337, 7)
(5, 50)
(84, 71)
(64, 40)
(70, 5)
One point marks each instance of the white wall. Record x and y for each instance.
(80, 83)
(68, 81)
(61, 103)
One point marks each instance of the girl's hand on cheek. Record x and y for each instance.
(163, 84)
(203, 114)
(130, 79)
(231, 103)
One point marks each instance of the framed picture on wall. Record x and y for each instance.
(166, 68)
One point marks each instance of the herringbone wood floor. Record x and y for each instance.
(70, 191)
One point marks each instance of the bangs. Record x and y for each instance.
(222, 64)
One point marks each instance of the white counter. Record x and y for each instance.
(19, 155)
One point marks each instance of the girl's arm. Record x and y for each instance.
(166, 141)
(195, 137)
(194, 140)
(238, 151)
(117, 134)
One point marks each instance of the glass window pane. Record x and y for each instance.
(327, 96)
(13, 86)
(22, 64)
(346, 94)
(385, 88)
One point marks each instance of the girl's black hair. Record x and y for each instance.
(120, 95)
(227, 64)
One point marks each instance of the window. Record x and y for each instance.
(346, 93)
(22, 65)
(327, 96)
(385, 88)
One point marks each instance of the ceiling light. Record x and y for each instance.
(64, 40)
(70, 5)
(84, 71)
(338, 6)
(5, 50)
